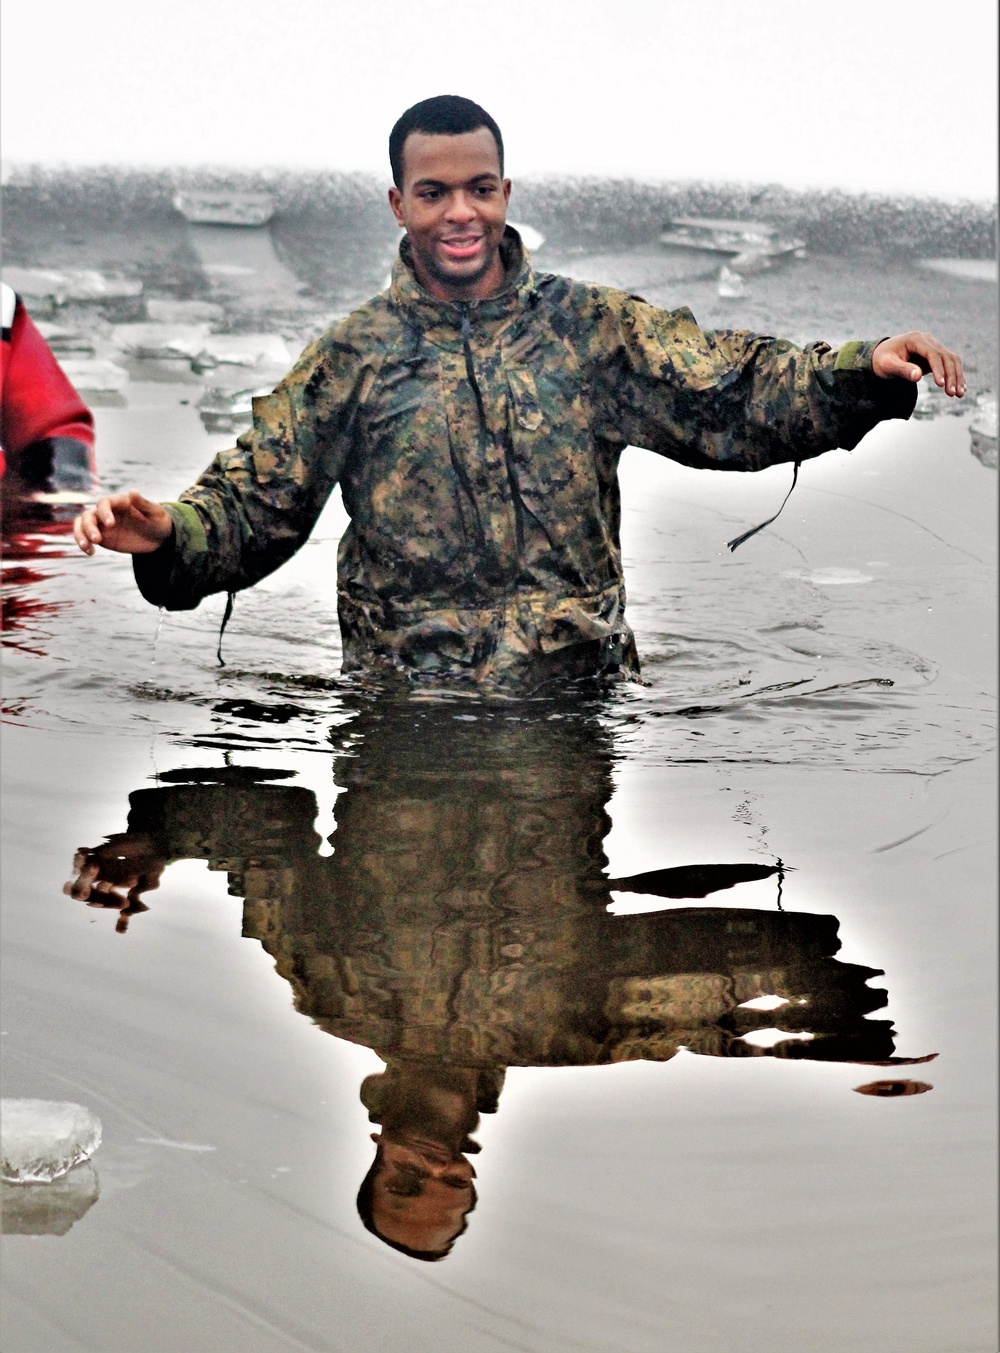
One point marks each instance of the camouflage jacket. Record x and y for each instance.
(477, 448)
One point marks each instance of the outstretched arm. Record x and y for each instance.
(730, 400)
(256, 503)
(117, 873)
(228, 824)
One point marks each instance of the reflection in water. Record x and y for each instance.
(892, 1089)
(33, 532)
(461, 927)
(49, 1209)
(419, 1190)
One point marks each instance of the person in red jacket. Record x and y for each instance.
(46, 430)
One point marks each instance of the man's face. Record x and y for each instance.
(453, 206)
(421, 1194)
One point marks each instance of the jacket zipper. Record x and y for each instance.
(470, 373)
(465, 308)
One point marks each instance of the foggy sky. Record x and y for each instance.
(878, 96)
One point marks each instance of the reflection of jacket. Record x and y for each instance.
(46, 431)
(477, 446)
(462, 916)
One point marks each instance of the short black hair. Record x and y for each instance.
(444, 115)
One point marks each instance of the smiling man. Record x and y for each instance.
(474, 415)
(451, 199)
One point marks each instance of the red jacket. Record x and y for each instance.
(46, 431)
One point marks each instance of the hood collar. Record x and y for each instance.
(442, 320)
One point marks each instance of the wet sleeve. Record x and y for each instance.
(728, 400)
(256, 504)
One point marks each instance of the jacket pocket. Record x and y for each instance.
(524, 398)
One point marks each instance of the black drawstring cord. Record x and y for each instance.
(222, 628)
(738, 540)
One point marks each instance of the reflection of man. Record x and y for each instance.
(419, 1191)
(461, 927)
(474, 416)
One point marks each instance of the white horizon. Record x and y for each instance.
(878, 101)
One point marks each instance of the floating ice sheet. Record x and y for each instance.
(43, 1138)
(69, 284)
(968, 269)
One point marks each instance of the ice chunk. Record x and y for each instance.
(531, 238)
(731, 283)
(95, 375)
(246, 350)
(183, 312)
(968, 269)
(934, 403)
(985, 419)
(69, 284)
(49, 1209)
(163, 341)
(223, 410)
(983, 431)
(66, 342)
(753, 261)
(43, 1138)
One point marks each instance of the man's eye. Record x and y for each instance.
(406, 1188)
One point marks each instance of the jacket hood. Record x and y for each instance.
(441, 321)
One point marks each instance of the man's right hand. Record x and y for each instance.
(126, 861)
(126, 522)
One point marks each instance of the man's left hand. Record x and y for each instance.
(910, 356)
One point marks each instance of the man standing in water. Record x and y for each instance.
(474, 415)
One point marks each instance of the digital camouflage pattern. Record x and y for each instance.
(477, 447)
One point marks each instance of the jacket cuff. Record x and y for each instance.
(154, 572)
(888, 397)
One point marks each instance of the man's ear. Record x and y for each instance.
(396, 203)
(376, 1137)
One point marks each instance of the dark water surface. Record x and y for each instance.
(547, 916)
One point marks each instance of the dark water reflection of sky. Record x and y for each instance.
(521, 892)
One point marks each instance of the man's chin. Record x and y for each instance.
(460, 272)
(460, 277)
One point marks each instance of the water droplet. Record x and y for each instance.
(156, 634)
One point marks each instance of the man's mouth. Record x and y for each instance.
(459, 247)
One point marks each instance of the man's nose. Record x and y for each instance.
(453, 1169)
(461, 207)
